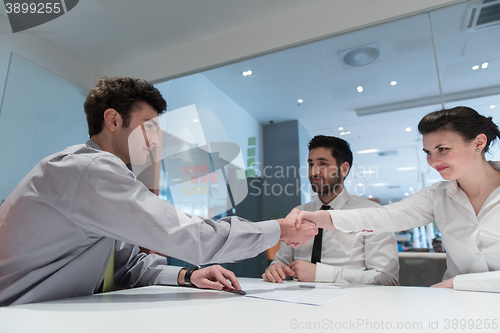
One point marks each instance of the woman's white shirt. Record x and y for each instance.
(472, 242)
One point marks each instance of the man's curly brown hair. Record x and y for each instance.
(123, 94)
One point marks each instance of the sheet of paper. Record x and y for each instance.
(311, 294)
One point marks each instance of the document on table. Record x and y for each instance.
(311, 294)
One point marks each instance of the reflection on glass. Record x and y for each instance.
(176, 163)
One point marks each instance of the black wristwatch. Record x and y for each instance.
(187, 276)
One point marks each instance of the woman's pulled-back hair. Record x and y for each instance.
(462, 120)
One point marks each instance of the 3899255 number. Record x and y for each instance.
(476, 324)
(33, 8)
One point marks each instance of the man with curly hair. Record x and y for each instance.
(80, 207)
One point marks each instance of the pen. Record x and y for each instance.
(236, 291)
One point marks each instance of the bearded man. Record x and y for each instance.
(328, 257)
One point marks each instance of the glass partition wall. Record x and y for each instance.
(371, 87)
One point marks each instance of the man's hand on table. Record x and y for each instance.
(277, 272)
(301, 270)
(211, 277)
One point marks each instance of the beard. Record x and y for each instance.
(332, 186)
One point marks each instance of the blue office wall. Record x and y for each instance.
(41, 113)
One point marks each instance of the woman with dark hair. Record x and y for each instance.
(466, 206)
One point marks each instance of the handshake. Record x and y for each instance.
(298, 228)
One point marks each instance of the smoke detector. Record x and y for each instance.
(360, 56)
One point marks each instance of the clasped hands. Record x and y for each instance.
(300, 226)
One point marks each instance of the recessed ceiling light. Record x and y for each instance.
(370, 196)
(476, 67)
(393, 83)
(484, 65)
(359, 89)
(492, 106)
(368, 151)
(300, 100)
(195, 120)
(405, 169)
(341, 128)
(407, 194)
(411, 189)
(246, 73)
(345, 132)
(408, 129)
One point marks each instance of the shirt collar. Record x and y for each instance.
(92, 144)
(337, 203)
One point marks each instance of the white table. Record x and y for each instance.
(179, 309)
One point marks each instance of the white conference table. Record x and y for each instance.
(180, 309)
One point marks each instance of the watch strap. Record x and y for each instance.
(187, 276)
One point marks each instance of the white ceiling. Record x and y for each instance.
(103, 33)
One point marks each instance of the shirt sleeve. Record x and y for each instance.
(284, 255)
(108, 201)
(381, 261)
(135, 269)
(409, 213)
(486, 281)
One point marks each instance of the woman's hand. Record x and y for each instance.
(445, 284)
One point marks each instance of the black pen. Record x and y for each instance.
(236, 291)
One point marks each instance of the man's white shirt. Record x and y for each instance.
(370, 258)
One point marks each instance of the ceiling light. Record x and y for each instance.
(359, 89)
(379, 184)
(408, 129)
(492, 106)
(406, 169)
(300, 100)
(246, 73)
(476, 67)
(195, 120)
(341, 128)
(360, 184)
(411, 189)
(484, 65)
(345, 132)
(368, 151)
(393, 83)
(407, 194)
(370, 196)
